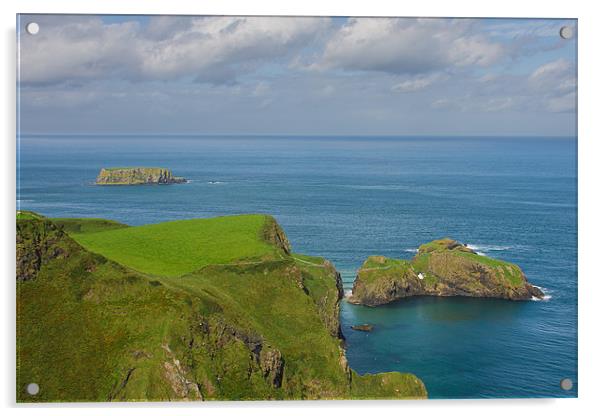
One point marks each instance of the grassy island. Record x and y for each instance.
(442, 267)
(137, 176)
(202, 309)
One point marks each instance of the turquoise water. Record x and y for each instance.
(348, 198)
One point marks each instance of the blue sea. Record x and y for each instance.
(345, 198)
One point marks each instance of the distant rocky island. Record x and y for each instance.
(137, 176)
(440, 268)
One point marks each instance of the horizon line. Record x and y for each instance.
(302, 135)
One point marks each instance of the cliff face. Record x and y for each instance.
(136, 176)
(273, 234)
(240, 331)
(38, 242)
(320, 280)
(440, 268)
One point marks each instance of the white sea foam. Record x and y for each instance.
(215, 182)
(546, 295)
(410, 250)
(480, 249)
(348, 293)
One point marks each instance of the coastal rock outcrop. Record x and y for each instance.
(440, 268)
(137, 176)
(38, 241)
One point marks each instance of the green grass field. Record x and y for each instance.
(179, 247)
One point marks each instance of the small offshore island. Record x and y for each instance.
(137, 176)
(440, 268)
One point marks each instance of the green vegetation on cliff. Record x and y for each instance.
(255, 322)
(178, 247)
(136, 176)
(87, 225)
(28, 215)
(440, 268)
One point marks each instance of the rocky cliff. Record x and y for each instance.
(440, 268)
(136, 176)
(38, 242)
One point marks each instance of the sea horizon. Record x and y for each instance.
(285, 135)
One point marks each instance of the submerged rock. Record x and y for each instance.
(137, 176)
(363, 327)
(440, 268)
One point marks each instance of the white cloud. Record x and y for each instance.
(214, 49)
(551, 87)
(417, 83)
(474, 103)
(556, 84)
(261, 89)
(499, 104)
(555, 75)
(77, 49)
(515, 28)
(213, 45)
(445, 104)
(562, 103)
(409, 46)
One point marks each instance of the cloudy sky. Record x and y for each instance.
(299, 76)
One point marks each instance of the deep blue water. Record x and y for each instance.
(348, 198)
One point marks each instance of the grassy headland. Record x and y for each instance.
(214, 309)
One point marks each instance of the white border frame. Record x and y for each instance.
(590, 137)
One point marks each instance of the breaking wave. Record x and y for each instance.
(480, 249)
(546, 295)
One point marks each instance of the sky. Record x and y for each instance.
(225, 75)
